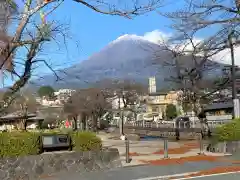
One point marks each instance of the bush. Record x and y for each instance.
(171, 111)
(228, 132)
(13, 144)
(85, 141)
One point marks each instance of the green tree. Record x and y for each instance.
(47, 91)
(171, 111)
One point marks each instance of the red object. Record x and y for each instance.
(67, 124)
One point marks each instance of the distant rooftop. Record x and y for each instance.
(158, 93)
(220, 105)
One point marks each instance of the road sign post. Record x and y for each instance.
(166, 148)
(201, 144)
(127, 150)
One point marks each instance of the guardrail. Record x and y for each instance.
(171, 125)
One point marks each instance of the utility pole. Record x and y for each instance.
(121, 122)
(121, 116)
(236, 112)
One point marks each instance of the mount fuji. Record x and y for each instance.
(128, 57)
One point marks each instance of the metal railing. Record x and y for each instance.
(171, 124)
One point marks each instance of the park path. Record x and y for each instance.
(143, 152)
(148, 163)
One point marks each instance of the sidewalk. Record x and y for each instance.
(148, 152)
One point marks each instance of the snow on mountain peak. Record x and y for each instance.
(128, 37)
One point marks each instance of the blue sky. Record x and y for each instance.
(93, 31)
(90, 31)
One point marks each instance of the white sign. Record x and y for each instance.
(236, 108)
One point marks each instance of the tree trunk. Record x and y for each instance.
(75, 123)
(81, 119)
(23, 124)
(86, 123)
(203, 121)
(94, 123)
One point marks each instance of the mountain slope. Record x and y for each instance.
(128, 57)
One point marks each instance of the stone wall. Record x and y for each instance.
(36, 166)
(225, 147)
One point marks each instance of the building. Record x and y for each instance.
(157, 102)
(15, 121)
(46, 102)
(116, 102)
(219, 109)
(63, 94)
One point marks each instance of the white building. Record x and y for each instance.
(116, 102)
(63, 94)
(46, 102)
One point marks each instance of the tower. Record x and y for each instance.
(152, 85)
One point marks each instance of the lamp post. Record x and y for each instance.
(236, 112)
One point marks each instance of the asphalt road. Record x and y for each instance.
(150, 172)
(146, 172)
(231, 176)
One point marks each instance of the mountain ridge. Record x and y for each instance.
(128, 57)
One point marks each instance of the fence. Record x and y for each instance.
(213, 122)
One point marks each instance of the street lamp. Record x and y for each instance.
(236, 111)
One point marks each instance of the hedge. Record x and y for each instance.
(228, 132)
(85, 141)
(81, 140)
(19, 144)
(14, 144)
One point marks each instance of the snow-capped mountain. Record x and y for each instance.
(127, 57)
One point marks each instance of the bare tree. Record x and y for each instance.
(125, 90)
(219, 16)
(125, 8)
(23, 104)
(127, 93)
(30, 41)
(89, 103)
(190, 62)
(23, 37)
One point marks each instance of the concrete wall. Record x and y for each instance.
(225, 147)
(47, 164)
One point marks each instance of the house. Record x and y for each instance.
(63, 94)
(14, 121)
(116, 102)
(157, 102)
(219, 109)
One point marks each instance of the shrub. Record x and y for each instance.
(85, 141)
(171, 111)
(13, 144)
(228, 132)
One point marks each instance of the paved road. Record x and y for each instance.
(231, 176)
(144, 172)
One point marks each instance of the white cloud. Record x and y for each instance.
(158, 37)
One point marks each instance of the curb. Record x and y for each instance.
(182, 176)
(167, 176)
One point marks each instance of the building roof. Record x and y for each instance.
(16, 115)
(221, 105)
(37, 118)
(158, 93)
